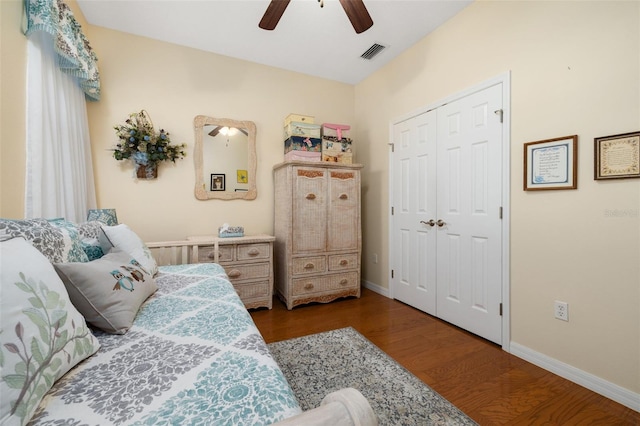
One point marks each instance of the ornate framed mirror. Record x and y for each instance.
(225, 159)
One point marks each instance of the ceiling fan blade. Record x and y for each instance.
(273, 14)
(358, 15)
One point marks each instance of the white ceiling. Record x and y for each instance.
(308, 39)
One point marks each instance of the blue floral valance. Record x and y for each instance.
(74, 54)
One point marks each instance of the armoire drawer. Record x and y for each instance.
(309, 265)
(302, 286)
(247, 271)
(207, 254)
(253, 251)
(341, 262)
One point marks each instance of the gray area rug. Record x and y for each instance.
(325, 362)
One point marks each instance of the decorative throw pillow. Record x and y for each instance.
(39, 324)
(75, 252)
(56, 243)
(108, 291)
(92, 248)
(122, 237)
(90, 229)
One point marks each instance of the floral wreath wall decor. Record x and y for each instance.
(142, 144)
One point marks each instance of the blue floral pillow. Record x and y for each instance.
(58, 243)
(75, 252)
(94, 241)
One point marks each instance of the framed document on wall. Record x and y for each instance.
(551, 164)
(617, 156)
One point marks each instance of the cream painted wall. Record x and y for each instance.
(174, 84)
(575, 69)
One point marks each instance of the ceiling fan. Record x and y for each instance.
(355, 10)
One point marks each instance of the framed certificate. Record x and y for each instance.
(551, 164)
(617, 156)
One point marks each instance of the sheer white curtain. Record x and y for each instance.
(59, 179)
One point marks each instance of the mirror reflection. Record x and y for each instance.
(225, 159)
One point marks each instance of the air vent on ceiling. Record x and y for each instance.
(373, 51)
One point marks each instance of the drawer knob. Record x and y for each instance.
(254, 252)
(344, 262)
(308, 286)
(234, 273)
(344, 281)
(211, 255)
(311, 196)
(309, 266)
(343, 196)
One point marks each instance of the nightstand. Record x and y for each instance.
(248, 261)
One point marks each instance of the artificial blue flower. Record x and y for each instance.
(163, 136)
(132, 139)
(146, 138)
(132, 132)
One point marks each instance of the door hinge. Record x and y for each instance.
(500, 309)
(393, 146)
(392, 211)
(499, 112)
(500, 212)
(392, 273)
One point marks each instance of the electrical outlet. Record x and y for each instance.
(561, 310)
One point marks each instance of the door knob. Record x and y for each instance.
(440, 223)
(430, 223)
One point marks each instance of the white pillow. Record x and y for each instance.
(122, 237)
(38, 322)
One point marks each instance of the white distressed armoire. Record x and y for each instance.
(318, 233)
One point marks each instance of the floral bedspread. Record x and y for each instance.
(193, 356)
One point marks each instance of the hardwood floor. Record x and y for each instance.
(488, 384)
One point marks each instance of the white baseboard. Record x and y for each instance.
(610, 390)
(375, 287)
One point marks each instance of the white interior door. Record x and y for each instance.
(447, 167)
(414, 201)
(469, 268)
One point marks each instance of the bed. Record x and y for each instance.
(214, 369)
(189, 355)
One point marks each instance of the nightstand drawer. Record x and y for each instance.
(340, 262)
(207, 254)
(309, 265)
(253, 251)
(253, 290)
(248, 271)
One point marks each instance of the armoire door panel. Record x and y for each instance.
(310, 212)
(343, 199)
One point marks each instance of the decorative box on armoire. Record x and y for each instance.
(318, 235)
